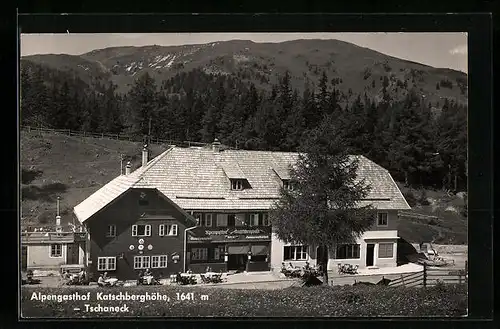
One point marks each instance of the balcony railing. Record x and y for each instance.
(52, 237)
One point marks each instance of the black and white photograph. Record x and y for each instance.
(243, 175)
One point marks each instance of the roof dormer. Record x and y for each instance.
(237, 184)
(288, 184)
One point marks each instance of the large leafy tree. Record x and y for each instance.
(323, 210)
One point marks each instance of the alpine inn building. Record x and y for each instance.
(193, 208)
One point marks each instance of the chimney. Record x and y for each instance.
(216, 146)
(128, 168)
(145, 155)
(58, 217)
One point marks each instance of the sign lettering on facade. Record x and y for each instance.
(231, 234)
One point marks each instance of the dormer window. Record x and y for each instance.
(237, 184)
(287, 185)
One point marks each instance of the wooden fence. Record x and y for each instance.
(431, 276)
(121, 137)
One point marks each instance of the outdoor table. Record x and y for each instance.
(111, 281)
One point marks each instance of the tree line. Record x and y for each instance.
(419, 144)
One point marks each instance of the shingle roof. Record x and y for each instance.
(198, 179)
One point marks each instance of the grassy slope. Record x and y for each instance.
(71, 167)
(449, 228)
(75, 167)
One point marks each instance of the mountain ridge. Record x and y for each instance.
(358, 69)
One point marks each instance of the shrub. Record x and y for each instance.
(410, 198)
(423, 198)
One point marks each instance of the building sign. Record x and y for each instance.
(230, 234)
(78, 237)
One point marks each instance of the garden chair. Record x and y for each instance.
(204, 279)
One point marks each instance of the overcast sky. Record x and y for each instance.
(444, 50)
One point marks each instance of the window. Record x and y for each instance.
(382, 219)
(172, 229)
(106, 263)
(167, 229)
(199, 254)
(236, 184)
(56, 250)
(348, 251)
(239, 220)
(254, 219)
(295, 253)
(221, 220)
(142, 200)
(141, 262)
(111, 232)
(287, 185)
(231, 220)
(219, 253)
(207, 221)
(385, 250)
(141, 230)
(159, 261)
(265, 219)
(198, 216)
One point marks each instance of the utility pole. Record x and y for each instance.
(121, 164)
(149, 132)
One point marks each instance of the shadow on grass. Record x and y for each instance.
(47, 192)
(27, 175)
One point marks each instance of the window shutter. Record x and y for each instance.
(147, 230)
(134, 230)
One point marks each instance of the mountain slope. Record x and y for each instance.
(357, 69)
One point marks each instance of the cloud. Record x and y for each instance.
(460, 50)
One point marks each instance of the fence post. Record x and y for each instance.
(102, 135)
(425, 275)
(460, 279)
(29, 129)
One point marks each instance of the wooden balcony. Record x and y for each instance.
(52, 237)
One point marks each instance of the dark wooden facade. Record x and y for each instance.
(138, 207)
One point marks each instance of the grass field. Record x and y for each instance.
(340, 301)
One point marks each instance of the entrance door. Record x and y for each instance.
(237, 262)
(24, 258)
(370, 253)
(72, 253)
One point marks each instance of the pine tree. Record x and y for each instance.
(143, 103)
(321, 211)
